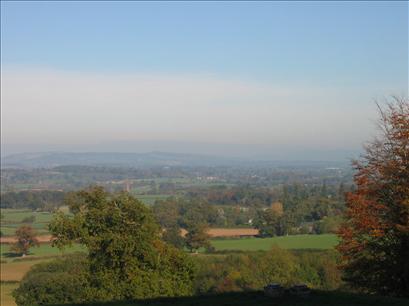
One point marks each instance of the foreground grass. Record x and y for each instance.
(14, 271)
(14, 268)
(317, 298)
(325, 241)
(6, 298)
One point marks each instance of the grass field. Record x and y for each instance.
(45, 249)
(325, 241)
(17, 215)
(317, 298)
(15, 270)
(5, 297)
(12, 219)
(149, 199)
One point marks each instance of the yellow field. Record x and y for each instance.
(14, 271)
(5, 297)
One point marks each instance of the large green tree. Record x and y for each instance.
(126, 257)
(197, 237)
(375, 236)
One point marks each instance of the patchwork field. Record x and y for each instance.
(14, 268)
(14, 218)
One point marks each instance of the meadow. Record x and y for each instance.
(149, 199)
(44, 250)
(324, 241)
(13, 218)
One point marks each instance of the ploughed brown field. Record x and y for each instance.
(12, 239)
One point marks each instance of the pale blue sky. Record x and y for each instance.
(325, 59)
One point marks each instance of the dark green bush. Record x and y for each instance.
(252, 271)
(63, 280)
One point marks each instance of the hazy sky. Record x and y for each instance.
(282, 75)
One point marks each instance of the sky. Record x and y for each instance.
(269, 80)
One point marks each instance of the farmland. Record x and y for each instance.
(45, 249)
(6, 298)
(14, 268)
(325, 241)
(13, 218)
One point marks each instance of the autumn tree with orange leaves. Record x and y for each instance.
(375, 235)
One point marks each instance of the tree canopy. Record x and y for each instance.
(375, 236)
(26, 239)
(126, 257)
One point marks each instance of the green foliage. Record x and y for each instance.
(277, 266)
(29, 219)
(44, 200)
(271, 224)
(25, 240)
(58, 282)
(126, 257)
(257, 298)
(173, 236)
(197, 237)
(329, 225)
(252, 271)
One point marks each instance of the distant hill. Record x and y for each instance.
(151, 159)
(53, 159)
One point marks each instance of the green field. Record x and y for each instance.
(12, 219)
(149, 199)
(325, 241)
(44, 249)
(17, 215)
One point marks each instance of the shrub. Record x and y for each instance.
(29, 219)
(252, 271)
(61, 281)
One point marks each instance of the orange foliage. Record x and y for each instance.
(376, 231)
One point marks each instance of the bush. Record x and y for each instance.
(69, 280)
(252, 271)
(29, 219)
(61, 281)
